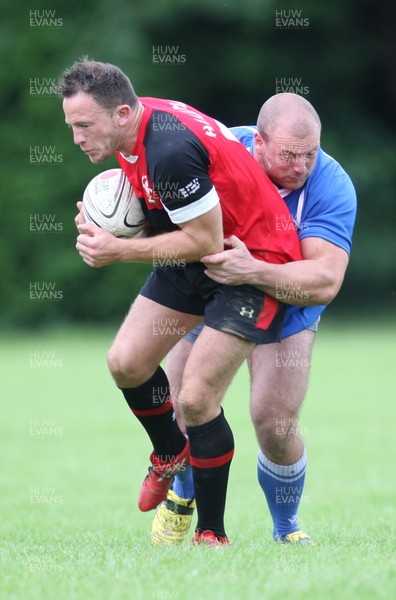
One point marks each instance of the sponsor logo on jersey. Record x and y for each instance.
(151, 195)
(189, 189)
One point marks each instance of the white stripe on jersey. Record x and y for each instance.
(301, 199)
(195, 209)
(300, 206)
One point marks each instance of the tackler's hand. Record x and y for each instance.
(230, 267)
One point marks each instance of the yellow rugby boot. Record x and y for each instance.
(172, 520)
(297, 537)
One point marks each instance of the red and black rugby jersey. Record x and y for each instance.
(185, 162)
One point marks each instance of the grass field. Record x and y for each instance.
(73, 459)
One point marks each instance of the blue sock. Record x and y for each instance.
(283, 487)
(183, 483)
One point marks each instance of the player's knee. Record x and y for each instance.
(125, 371)
(274, 424)
(197, 406)
(190, 408)
(262, 421)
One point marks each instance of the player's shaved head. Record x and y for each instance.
(287, 141)
(290, 111)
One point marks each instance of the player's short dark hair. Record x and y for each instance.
(106, 83)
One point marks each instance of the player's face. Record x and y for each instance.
(95, 129)
(288, 160)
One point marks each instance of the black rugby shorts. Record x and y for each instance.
(240, 310)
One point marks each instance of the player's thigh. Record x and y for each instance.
(279, 375)
(147, 334)
(213, 362)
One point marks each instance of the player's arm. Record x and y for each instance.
(315, 280)
(195, 238)
(177, 161)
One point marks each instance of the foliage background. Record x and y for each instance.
(95, 542)
(235, 57)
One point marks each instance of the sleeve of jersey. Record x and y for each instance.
(178, 165)
(330, 209)
(245, 134)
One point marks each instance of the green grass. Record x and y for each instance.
(70, 527)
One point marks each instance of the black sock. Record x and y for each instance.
(151, 404)
(212, 448)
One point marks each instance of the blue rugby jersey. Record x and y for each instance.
(324, 207)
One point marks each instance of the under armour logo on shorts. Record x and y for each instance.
(245, 312)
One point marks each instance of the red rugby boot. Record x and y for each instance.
(209, 538)
(159, 478)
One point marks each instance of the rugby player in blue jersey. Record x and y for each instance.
(322, 203)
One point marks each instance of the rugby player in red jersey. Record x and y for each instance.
(198, 185)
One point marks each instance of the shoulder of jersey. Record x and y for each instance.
(245, 134)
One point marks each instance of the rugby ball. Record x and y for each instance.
(110, 203)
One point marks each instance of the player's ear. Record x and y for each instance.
(258, 144)
(258, 140)
(123, 113)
